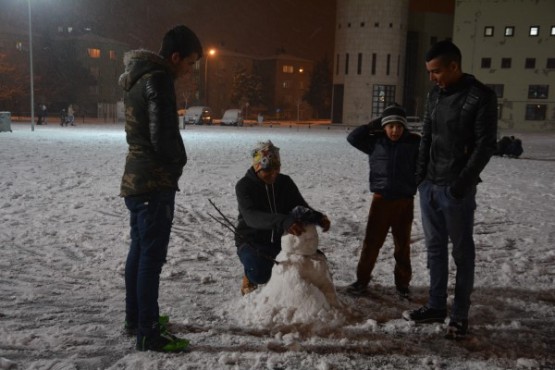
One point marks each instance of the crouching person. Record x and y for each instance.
(266, 198)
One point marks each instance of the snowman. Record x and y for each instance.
(301, 289)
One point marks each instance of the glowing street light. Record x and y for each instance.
(211, 52)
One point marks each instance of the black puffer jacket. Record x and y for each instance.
(156, 155)
(459, 135)
(392, 164)
(264, 210)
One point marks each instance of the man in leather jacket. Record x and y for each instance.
(458, 139)
(153, 166)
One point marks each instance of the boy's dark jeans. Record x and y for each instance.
(151, 217)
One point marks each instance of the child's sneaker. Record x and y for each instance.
(357, 288)
(457, 329)
(425, 314)
(165, 342)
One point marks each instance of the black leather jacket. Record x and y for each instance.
(459, 135)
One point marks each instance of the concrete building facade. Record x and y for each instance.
(514, 54)
(369, 60)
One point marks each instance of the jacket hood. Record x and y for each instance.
(139, 62)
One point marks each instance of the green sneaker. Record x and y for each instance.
(162, 343)
(131, 328)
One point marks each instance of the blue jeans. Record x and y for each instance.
(257, 260)
(445, 218)
(151, 217)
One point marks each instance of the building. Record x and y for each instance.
(514, 54)
(370, 57)
(383, 63)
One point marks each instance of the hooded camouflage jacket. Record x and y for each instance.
(156, 155)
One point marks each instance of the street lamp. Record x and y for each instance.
(211, 52)
(31, 68)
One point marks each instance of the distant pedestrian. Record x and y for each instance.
(63, 117)
(70, 115)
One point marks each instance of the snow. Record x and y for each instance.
(64, 237)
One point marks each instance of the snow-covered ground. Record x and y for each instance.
(64, 238)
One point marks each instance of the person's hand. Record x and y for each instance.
(325, 223)
(297, 228)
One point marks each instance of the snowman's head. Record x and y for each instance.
(305, 244)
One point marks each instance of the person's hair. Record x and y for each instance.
(182, 40)
(446, 51)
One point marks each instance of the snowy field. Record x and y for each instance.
(64, 238)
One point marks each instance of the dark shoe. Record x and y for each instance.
(403, 293)
(357, 288)
(131, 328)
(457, 329)
(162, 343)
(247, 286)
(425, 314)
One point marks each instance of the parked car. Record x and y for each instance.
(232, 117)
(198, 115)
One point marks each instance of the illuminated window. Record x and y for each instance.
(94, 53)
(286, 84)
(488, 31)
(288, 69)
(509, 31)
(534, 31)
(19, 45)
(113, 55)
(552, 33)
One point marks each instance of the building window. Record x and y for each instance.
(382, 96)
(498, 88)
(530, 63)
(506, 62)
(377, 24)
(362, 24)
(398, 64)
(552, 33)
(538, 91)
(534, 31)
(94, 53)
(286, 84)
(288, 69)
(359, 63)
(535, 112)
(391, 25)
(388, 64)
(113, 55)
(349, 25)
(488, 31)
(499, 111)
(550, 63)
(374, 57)
(347, 63)
(486, 62)
(509, 31)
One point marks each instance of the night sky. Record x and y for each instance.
(304, 28)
